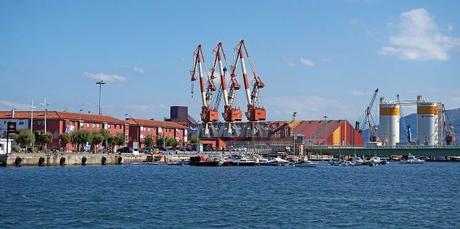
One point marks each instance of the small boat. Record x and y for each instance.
(305, 163)
(454, 158)
(260, 160)
(340, 162)
(357, 161)
(242, 161)
(203, 161)
(176, 163)
(375, 161)
(411, 159)
(277, 162)
(225, 162)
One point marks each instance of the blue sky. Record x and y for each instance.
(316, 57)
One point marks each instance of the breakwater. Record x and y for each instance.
(62, 159)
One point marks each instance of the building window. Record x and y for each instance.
(142, 128)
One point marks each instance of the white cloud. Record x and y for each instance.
(306, 62)
(289, 62)
(419, 38)
(450, 28)
(138, 70)
(104, 77)
(8, 105)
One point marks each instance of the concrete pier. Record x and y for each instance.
(62, 159)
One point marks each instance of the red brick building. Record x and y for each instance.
(63, 122)
(141, 128)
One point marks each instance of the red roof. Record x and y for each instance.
(312, 128)
(153, 123)
(57, 115)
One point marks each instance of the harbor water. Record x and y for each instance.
(161, 196)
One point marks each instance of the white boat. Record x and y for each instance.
(278, 162)
(411, 159)
(357, 160)
(243, 161)
(305, 163)
(341, 162)
(375, 160)
(260, 160)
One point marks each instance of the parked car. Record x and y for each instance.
(147, 150)
(125, 150)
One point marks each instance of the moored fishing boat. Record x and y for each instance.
(305, 163)
(411, 159)
(203, 161)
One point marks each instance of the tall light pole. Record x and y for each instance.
(32, 108)
(45, 104)
(100, 83)
(325, 129)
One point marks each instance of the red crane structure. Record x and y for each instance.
(209, 114)
(231, 114)
(254, 112)
(449, 134)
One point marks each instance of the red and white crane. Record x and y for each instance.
(254, 112)
(231, 113)
(208, 113)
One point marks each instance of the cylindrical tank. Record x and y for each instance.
(389, 122)
(427, 123)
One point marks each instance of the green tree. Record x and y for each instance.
(171, 142)
(121, 139)
(161, 141)
(195, 139)
(96, 139)
(105, 136)
(148, 141)
(43, 138)
(112, 141)
(25, 138)
(64, 139)
(80, 137)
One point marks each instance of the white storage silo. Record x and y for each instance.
(427, 122)
(389, 122)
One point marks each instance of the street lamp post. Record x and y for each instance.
(325, 129)
(32, 108)
(45, 104)
(100, 83)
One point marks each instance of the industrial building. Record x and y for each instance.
(432, 124)
(319, 132)
(389, 122)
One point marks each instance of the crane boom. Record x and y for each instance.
(208, 114)
(198, 65)
(368, 120)
(448, 127)
(219, 52)
(254, 112)
(240, 57)
(231, 113)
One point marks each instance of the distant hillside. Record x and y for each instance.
(454, 118)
